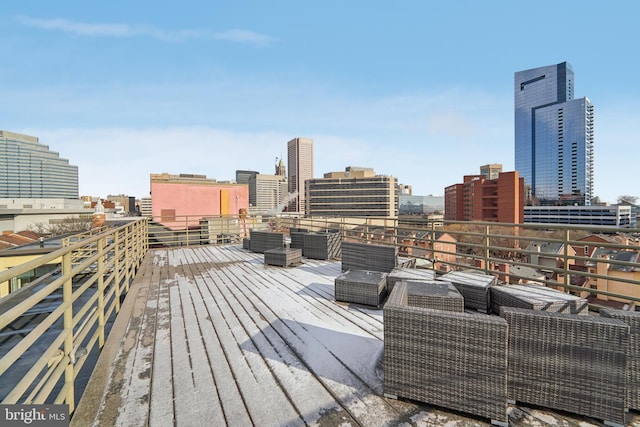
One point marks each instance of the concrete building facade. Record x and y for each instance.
(605, 216)
(179, 200)
(267, 193)
(300, 166)
(29, 169)
(356, 192)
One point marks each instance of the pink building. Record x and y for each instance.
(176, 197)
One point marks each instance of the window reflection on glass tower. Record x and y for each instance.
(553, 137)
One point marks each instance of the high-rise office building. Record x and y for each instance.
(29, 170)
(356, 192)
(242, 176)
(267, 193)
(554, 137)
(300, 165)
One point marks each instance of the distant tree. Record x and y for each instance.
(627, 200)
(67, 225)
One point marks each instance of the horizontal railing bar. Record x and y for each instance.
(12, 355)
(36, 368)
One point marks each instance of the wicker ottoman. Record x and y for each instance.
(400, 274)
(361, 287)
(435, 294)
(283, 257)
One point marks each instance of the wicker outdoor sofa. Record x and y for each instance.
(631, 318)
(451, 359)
(478, 363)
(568, 362)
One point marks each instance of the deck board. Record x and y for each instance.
(215, 337)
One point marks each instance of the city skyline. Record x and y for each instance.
(419, 91)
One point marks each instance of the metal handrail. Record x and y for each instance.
(98, 267)
(90, 295)
(480, 245)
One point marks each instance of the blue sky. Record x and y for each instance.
(420, 90)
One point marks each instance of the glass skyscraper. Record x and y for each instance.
(29, 169)
(553, 137)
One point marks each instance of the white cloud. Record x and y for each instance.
(450, 123)
(125, 30)
(244, 36)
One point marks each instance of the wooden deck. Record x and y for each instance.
(210, 336)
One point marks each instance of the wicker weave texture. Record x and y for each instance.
(297, 239)
(568, 362)
(449, 359)
(631, 318)
(361, 287)
(364, 256)
(400, 274)
(261, 241)
(474, 287)
(322, 245)
(434, 294)
(536, 297)
(283, 257)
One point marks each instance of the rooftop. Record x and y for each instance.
(212, 336)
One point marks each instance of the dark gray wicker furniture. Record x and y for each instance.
(361, 287)
(568, 362)
(323, 245)
(246, 243)
(283, 257)
(536, 297)
(449, 359)
(261, 241)
(399, 274)
(364, 256)
(297, 237)
(631, 318)
(434, 294)
(474, 287)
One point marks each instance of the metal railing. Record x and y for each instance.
(50, 327)
(70, 310)
(512, 252)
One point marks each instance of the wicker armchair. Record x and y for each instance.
(451, 359)
(568, 362)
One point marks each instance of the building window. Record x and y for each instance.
(168, 214)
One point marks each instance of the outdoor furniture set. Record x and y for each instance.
(542, 349)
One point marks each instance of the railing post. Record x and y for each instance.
(128, 239)
(486, 248)
(566, 261)
(432, 245)
(101, 273)
(67, 300)
(186, 220)
(116, 267)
